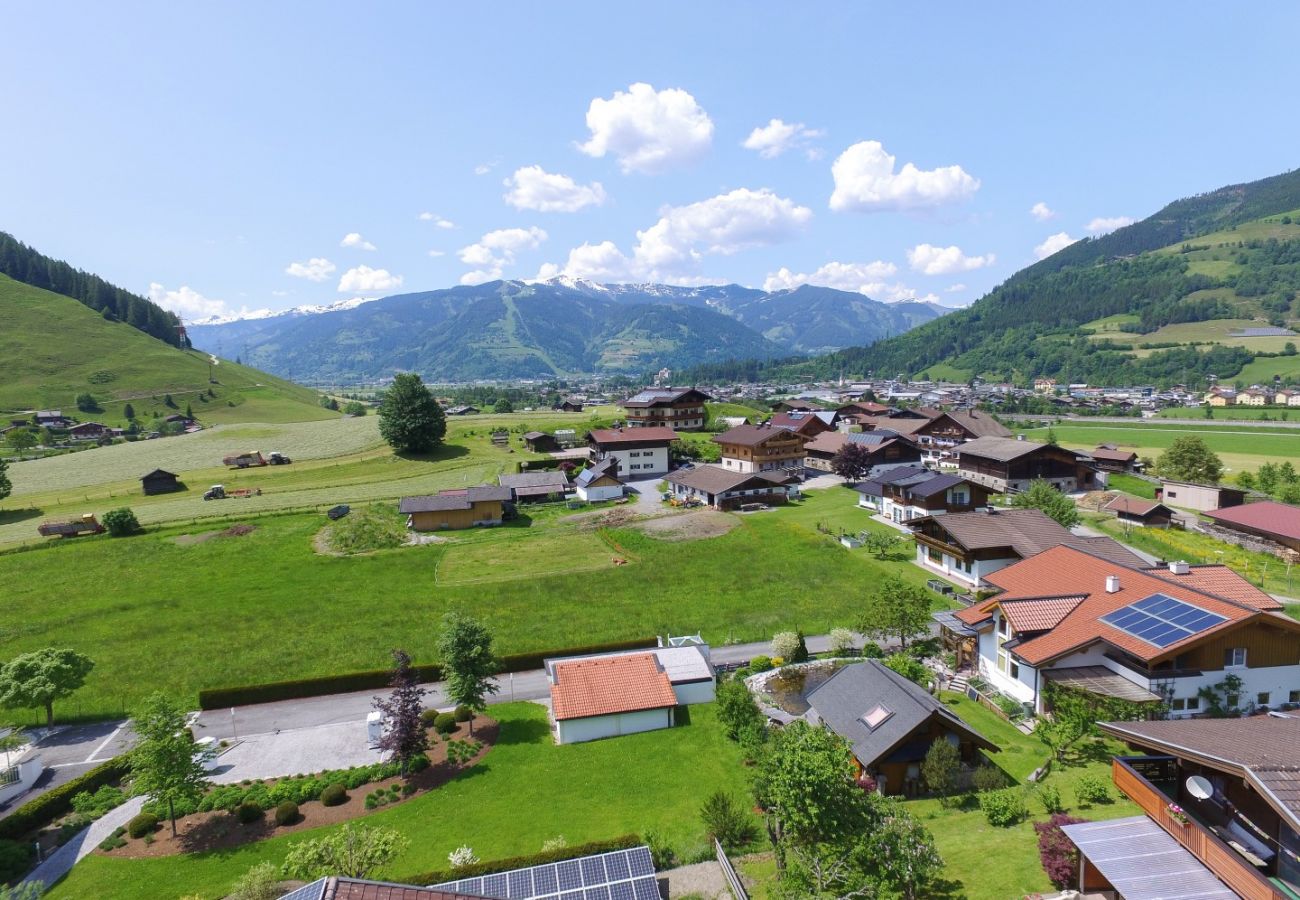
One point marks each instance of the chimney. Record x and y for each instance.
(1020, 437)
(1112, 584)
(1179, 567)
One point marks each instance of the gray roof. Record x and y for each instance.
(1143, 861)
(526, 480)
(1027, 532)
(914, 480)
(1003, 449)
(607, 466)
(456, 499)
(846, 697)
(716, 480)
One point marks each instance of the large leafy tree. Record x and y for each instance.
(896, 609)
(165, 764)
(410, 419)
(465, 648)
(354, 851)
(5, 484)
(852, 462)
(1189, 459)
(1041, 495)
(404, 734)
(39, 678)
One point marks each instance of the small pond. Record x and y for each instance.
(789, 686)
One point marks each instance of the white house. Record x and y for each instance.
(599, 482)
(641, 452)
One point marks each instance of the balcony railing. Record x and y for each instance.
(1214, 854)
(1153, 674)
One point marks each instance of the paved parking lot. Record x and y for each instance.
(301, 751)
(70, 752)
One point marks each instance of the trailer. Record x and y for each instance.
(246, 460)
(87, 524)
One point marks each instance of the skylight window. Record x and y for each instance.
(877, 716)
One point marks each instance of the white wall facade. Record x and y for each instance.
(593, 728)
(642, 462)
(689, 692)
(606, 492)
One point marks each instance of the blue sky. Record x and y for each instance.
(219, 156)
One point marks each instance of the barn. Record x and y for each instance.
(160, 481)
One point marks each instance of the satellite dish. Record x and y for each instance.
(1200, 787)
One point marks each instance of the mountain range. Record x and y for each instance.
(515, 329)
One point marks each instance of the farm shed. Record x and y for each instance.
(536, 486)
(160, 481)
(1134, 511)
(463, 508)
(600, 481)
(541, 442)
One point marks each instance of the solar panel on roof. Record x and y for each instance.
(520, 884)
(470, 886)
(593, 871)
(1161, 620)
(606, 876)
(622, 891)
(639, 860)
(544, 880)
(646, 889)
(596, 893)
(495, 885)
(569, 874)
(617, 867)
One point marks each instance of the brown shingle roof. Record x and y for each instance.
(1269, 516)
(1135, 506)
(753, 435)
(1111, 455)
(716, 480)
(463, 498)
(1002, 449)
(648, 435)
(1026, 532)
(606, 685)
(976, 424)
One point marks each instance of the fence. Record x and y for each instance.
(729, 872)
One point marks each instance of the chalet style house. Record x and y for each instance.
(945, 431)
(1143, 513)
(967, 547)
(1007, 464)
(483, 504)
(904, 493)
(641, 452)
(728, 489)
(886, 449)
(761, 448)
(809, 423)
(1148, 635)
(1109, 458)
(678, 408)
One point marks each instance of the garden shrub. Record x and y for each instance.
(114, 840)
(842, 639)
(760, 664)
(334, 795)
(1089, 790)
(96, 804)
(662, 854)
(445, 723)
(1057, 853)
(286, 813)
(474, 870)
(909, 667)
(872, 650)
(1003, 808)
(71, 827)
(261, 882)
(143, 824)
(785, 644)
(15, 858)
(418, 763)
(1050, 797)
(463, 713)
(427, 716)
(726, 821)
(249, 812)
(1012, 709)
(121, 522)
(408, 789)
(988, 778)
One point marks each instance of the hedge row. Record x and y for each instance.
(220, 698)
(626, 842)
(53, 803)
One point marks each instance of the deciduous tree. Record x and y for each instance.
(1041, 495)
(896, 609)
(1189, 459)
(852, 462)
(404, 734)
(354, 851)
(38, 678)
(166, 765)
(410, 419)
(465, 648)
(5, 484)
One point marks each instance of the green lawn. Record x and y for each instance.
(1241, 447)
(1261, 371)
(155, 613)
(1129, 484)
(524, 792)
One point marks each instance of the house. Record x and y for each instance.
(968, 546)
(903, 493)
(1109, 458)
(641, 452)
(1136, 511)
(809, 424)
(607, 695)
(907, 426)
(599, 481)
(1267, 519)
(1008, 464)
(726, 489)
(1080, 621)
(51, 418)
(761, 448)
(853, 413)
(1200, 497)
(1221, 396)
(890, 724)
(570, 406)
(795, 406)
(160, 481)
(1234, 782)
(1287, 397)
(483, 504)
(673, 408)
(1254, 396)
(886, 450)
(532, 487)
(1045, 385)
(949, 429)
(463, 411)
(541, 442)
(87, 431)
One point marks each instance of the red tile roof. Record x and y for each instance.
(1038, 615)
(647, 434)
(1222, 582)
(605, 685)
(1270, 516)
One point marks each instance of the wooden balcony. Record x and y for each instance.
(1226, 864)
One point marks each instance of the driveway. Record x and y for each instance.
(69, 752)
(646, 496)
(298, 752)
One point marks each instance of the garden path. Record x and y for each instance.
(83, 843)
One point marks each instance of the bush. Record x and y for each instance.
(96, 804)
(872, 650)
(760, 664)
(286, 813)
(1050, 797)
(1003, 808)
(261, 882)
(940, 768)
(662, 854)
(121, 522)
(1012, 709)
(909, 667)
(842, 639)
(15, 858)
(445, 723)
(726, 821)
(114, 840)
(143, 824)
(1057, 853)
(1089, 789)
(334, 795)
(785, 644)
(988, 778)
(626, 842)
(249, 812)
(427, 717)
(463, 713)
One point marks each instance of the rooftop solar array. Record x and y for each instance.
(621, 875)
(1161, 620)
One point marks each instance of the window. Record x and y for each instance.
(1293, 697)
(1193, 703)
(1014, 666)
(1169, 495)
(1232, 700)
(1234, 656)
(876, 716)
(1178, 704)
(1261, 699)
(935, 556)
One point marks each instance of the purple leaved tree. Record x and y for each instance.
(404, 735)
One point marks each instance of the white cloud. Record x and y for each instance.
(532, 187)
(1042, 212)
(353, 239)
(865, 278)
(485, 167)
(315, 269)
(931, 260)
(496, 250)
(437, 253)
(865, 181)
(364, 279)
(776, 137)
(648, 131)
(1103, 225)
(954, 288)
(437, 220)
(185, 301)
(1053, 244)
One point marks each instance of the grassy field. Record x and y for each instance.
(1129, 484)
(524, 792)
(1216, 331)
(1261, 371)
(1238, 413)
(1111, 324)
(186, 615)
(1243, 448)
(77, 351)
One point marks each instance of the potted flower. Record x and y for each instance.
(1176, 813)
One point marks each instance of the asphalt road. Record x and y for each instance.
(70, 752)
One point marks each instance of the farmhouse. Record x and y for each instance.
(160, 481)
(51, 418)
(968, 546)
(809, 423)
(570, 406)
(1135, 511)
(454, 509)
(948, 429)
(1268, 519)
(1109, 458)
(761, 448)
(599, 481)
(87, 431)
(541, 442)
(1200, 497)
(1287, 397)
(909, 492)
(641, 452)
(1149, 635)
(463, 411)
(672, 408)
(861, 408)
(886, 450)
(890, 723)
(603, 696)
(1006, 464)
(728, 489)
(531, 487)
